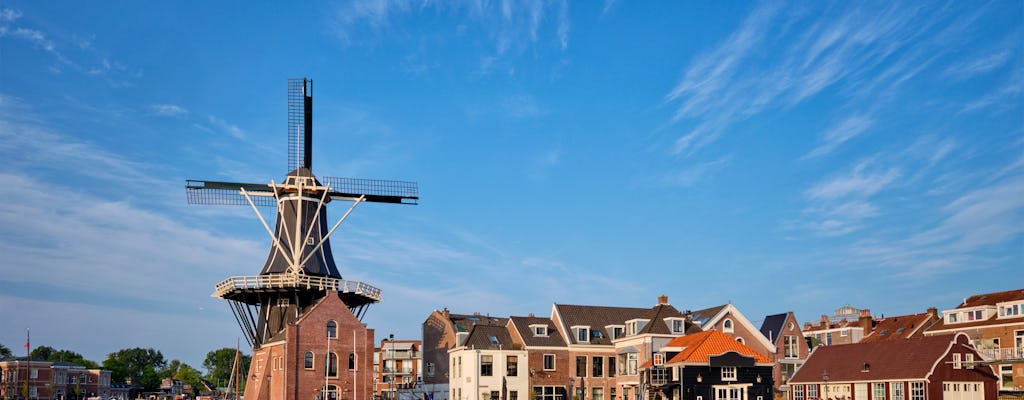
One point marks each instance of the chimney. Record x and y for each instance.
(824, 321)
(445, 312)
(663, 300)
(933, 311)
(866, 322)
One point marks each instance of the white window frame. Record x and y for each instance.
(659, 359)
(917, 390)
(581, 333)
(544, 362)
(969, 360)
(728, 326)
(878, 391)
(896, 391)
(539, 330)
(957, 364)
(728, 374)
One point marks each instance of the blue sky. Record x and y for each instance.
(779, 156)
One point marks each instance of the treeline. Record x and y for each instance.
(147, 368)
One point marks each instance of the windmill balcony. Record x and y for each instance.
(237, 284)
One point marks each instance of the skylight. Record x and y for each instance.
(494, 340)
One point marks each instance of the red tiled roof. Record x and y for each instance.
(900, 327)
(698, 347)
(886, 360)
(991, 299)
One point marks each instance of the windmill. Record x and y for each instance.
(300, 269)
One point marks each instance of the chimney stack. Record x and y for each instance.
(866, 322)
(663, 300)
(933, 311)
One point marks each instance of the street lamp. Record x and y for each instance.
(394, 391)
(824, 377)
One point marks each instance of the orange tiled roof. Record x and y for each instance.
(698, 347)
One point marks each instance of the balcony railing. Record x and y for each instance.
(1011, 354)
(280, 281)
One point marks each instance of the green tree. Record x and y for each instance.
(5, 352)
(143, 366)
(48, 353)
(218, 366)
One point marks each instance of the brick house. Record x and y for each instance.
(328, 356)
(547, 356)
(995, 324)
(53, 380)
(400, 369)
(729, 320)
(846, 325)
(791, 350)
(931, 367)
(442, 331)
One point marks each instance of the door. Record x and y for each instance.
(963, 391)
(860, 391)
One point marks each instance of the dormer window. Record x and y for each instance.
(951, 318)
(539, 330)
(1011, 310)
(975, 315)
(582, 334)
(634, 326)
(675, 325)
(616, 331)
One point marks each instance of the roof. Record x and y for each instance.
(901, 327)
(699, 346)
(465, 322)
(886, 360)
(991, 299)
(841, 324)
(772, 325)
(597, 317)
(702, 317)
(941, 325)
(488, 337)
(659, 313)
(522, 325)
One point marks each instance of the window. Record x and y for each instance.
(828, 338)
(430, 369)
(659, 376)
(951, 318)
(897, 390)
(727, 326)
(582, 334)
(786, 370)
(844, 333)
(549, 392)
(969, 360)
(494, 395)
(792, 347)
(611, 392)
(879, 391)
(494, 340)
(513, 395)
(617, 332)
(549, 362)
(631, 364)
(728, 373)
(581, 366)
(916, 390)
(540, 330)
(332, 329)
(739, 339)
(486, 365)
(798, 392)
(32, 392)
(351, 360)
(331, 363)
(308, 362)
(659, 359)
(956, 361)
(675, 325)
(1006, 377)
(727, 393)
(597, 366)
(812, 392)
(33, 374)
(512, 366)
(598, 394)
(611, 372)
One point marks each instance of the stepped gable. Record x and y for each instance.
(886, 359)
(597, 318)
(488, 337)
(772, 325)
(699, 346)
(701, 317)
(522, 325)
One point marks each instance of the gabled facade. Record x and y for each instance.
(712, 365)
(488, 365)
(548, 365)
(927, 368)
(995, 324)
(327, 353)
(902, 326)
(443, 331)
(729, 320)
(791, 349)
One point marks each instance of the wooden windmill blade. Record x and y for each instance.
(228, 193)
(372, 190)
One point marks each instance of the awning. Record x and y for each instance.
(629, 349)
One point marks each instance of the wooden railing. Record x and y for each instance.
(284, 281)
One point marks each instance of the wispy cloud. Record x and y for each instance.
(167, 110)
(846, 130)
(228, 128)
(860, 182)
(9, 15)
(695, 173)
(971, 68)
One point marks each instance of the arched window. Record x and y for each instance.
(332, 329)
(739, 339)
(332, 364)
(329, 392)
(308, 364)
(351, 360)
(727, 325)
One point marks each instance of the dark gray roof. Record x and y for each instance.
(489, 337)
(597, 317)
(772, 325)
(522, 325)
(466, 322)
(701, 317)
(659, 313)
